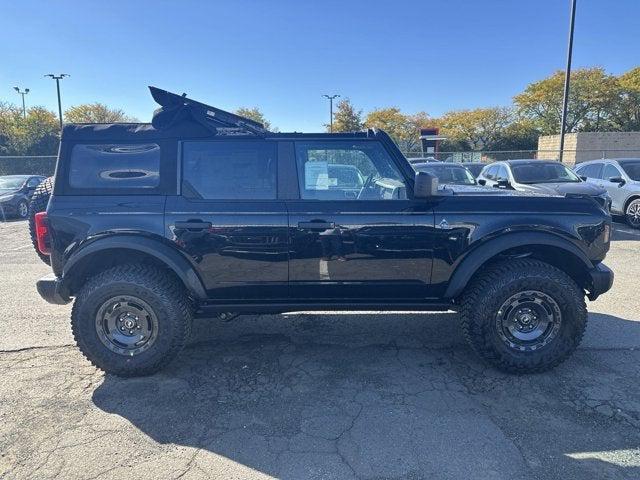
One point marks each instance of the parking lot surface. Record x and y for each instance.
(317, 395)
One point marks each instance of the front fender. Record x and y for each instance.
(478, 257)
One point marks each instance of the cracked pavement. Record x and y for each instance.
(335, 396)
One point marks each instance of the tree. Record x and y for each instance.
(346, 118)
(37, 134)
(95, 113)
(592, 99)
(404, 129)
(478, 129)
(254, 114)
(627, 115)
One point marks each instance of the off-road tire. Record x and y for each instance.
(156, 288)
(630, 214)
(38, 203)
(487, 292)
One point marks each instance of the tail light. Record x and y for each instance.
(42, 233)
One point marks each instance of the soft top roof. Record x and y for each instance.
(178, 116)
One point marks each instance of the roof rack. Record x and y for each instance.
(175, 109)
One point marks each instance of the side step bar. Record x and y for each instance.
(212, 309)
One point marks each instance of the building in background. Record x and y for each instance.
(583, 146)
(430, 139)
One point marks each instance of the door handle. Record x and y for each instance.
(316, 225)
(193, 225)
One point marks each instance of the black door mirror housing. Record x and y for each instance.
(619, 180)
(583, 178)
(425, 185)
(482, 181)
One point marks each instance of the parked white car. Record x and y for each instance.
(621, 179)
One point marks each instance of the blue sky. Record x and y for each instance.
(283, 55)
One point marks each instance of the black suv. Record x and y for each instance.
(203, 212)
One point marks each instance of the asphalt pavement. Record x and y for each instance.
(317, 395)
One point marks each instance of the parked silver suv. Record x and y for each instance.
(621, 178)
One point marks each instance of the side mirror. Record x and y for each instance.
(503, 183)
(584, 178)
(619, 180)
(482, 181)
(425, 185)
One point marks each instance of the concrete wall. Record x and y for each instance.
(583, 146)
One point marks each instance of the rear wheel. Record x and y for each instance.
(23, 209)
(632, 213)
(523, 316)
(39, 201)
(131, 320)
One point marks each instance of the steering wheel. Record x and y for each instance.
(367, 183)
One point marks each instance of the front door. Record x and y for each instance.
(354, 233)
(229, 221)
(614, 189)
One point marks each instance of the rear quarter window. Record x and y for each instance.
(115, 166)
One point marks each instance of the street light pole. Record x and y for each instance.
(23, 93)
(331, 97)
(567, 77)
(57, 78)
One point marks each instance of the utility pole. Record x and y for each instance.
(23, 93)
(331, 97)
(567, 77)
(57, 78)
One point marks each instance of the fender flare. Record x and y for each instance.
(475, 259)
(169, 256)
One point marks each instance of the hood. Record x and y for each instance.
(6, 191)
(564, 188)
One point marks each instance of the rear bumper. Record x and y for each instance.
(601, 278)
(51, 289)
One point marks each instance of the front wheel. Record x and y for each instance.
(523, 316)
(632, 213)
(131, 320)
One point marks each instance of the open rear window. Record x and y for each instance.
(115, 166)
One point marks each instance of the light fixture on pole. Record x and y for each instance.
(331, 97)
(23, 93)
(57, 78)
(567, 77)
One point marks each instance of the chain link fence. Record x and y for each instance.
(570, 157)
(28, 165)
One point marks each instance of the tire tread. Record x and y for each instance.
(488, 283)
(166, 288)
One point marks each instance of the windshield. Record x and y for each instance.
(632, 169)
(543, 173)
(11, 183)
(449, 174)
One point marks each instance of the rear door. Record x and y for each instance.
(227, 218)
(355, 234)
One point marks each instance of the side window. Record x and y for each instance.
(337, 170)
(229, 170)
(502, 173)
(115, 166)
(610, 171)
(491, 172)
(592, 170)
